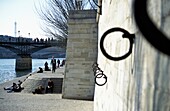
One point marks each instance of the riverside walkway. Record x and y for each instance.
(26, 101)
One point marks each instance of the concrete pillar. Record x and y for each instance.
(23, 63)
(81, 53)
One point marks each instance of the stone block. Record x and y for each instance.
(85, 14)
(72, 40)
(80, 30)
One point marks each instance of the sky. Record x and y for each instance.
(23, 12)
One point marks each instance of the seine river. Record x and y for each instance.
(7, 68)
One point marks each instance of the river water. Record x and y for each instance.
(7, 68)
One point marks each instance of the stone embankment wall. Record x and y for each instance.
(24, 63)
(141, 82)
(81, 53)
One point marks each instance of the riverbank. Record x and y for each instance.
(8, 72)
(26, 101)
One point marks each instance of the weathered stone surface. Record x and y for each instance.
(79, 14)
(141, 81)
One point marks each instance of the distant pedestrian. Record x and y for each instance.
(79, 4)
(53, 63)
(58, 62)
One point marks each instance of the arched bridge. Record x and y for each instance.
(26, 48)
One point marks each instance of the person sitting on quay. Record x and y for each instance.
(19, 85)
(46, 67)
(11, 88)
(58, 62)
(40, 70)
(14, 88)
(38, 90)
(62, 63)
(50, 86)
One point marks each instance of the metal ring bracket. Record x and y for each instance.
(126, 34)
(101, 76)
(148, 29)
(98, 73)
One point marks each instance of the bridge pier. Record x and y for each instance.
(23, 63)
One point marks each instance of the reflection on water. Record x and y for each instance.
(7, 68)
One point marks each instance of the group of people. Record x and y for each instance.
(15, 87)
(39, 90)
(55, 64)
(49, 88)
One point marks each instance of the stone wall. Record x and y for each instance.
(23, 63)
(141, 81)
(81, 53)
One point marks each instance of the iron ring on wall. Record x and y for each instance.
(98, 73)
(101, 76)
(148, 29)
(125, 35)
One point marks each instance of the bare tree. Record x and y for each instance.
(93, 4)
(55, 16)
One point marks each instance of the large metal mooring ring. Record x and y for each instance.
(148, 29)
(126, 34)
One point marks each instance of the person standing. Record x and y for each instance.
(58, 62)
(53, 63)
